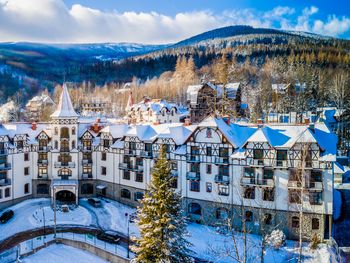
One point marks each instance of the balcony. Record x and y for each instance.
(193, 158)
(129, 152)
(174, 173)
(146, 154)
(256, 162)
(194, 176)
(5, 166)
(43, 176)
(248, 181)
(5, 182)
(43, 148)
(222, 160)
(315, 186)
(222, 179)
(86, 176)
(64, 165)
(85, 148)
(43, 162)
(281, 164)
(294, 184)
(87, 162)
(266, 182)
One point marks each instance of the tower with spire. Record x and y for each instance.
(64, 126)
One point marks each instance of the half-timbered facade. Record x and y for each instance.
(263, 175)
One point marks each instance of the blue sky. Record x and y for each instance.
(162, 21)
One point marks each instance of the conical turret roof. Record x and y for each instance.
(65, 107)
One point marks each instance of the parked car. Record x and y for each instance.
(109, 236)
(6, 216)
(95, 202)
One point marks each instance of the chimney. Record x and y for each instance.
(307, 120)
(187, 122)
(34, 126)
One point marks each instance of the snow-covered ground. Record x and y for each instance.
(61, 253)
(207, 242)
(29, 215)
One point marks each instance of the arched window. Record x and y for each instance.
(42, 189)
(56, 130)
(73, 144)
(64, 145)
(73, 131)
(315, 223)
(125, 193)
(56, 145)
(138, 196)
(64, 172)
(65, 132)
(194, 208)
(295, 222)
(221, 213)
(87, 189)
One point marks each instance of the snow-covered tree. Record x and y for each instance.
(161, 221)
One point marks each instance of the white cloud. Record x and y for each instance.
(53, 21)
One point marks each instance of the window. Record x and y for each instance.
(26, 170)
(73, 131)
(0, 193)
(20, 144)
(221, 213)
(268, 174)
(65, 132)
(249, 192)
(209, 133)
(208, 168)
(267, 219)
(56, 145)
(248, 216)
(26, 188)
(209, 187)
(73, 144)
(103, 170)
(258, 154)
(139, 177)
(294, 197)
(138, 196)
(281, 155)
(224, 170)
(7, 192)
(295, 222)
(223, 152)
(56, 130)
(194, 208)
(26, 157)
(103, 156)
(174, 183)
(315, 176)
(194, 186)
(148, 147)
(42, 189)
(223, 190)
(315, 223)
(125, 193)
(106, 143)
(126, 175)
(42, 172)
(315, 198)
(269, 194)
(248, 172)
(209, 151)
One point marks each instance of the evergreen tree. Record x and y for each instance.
(160, 219)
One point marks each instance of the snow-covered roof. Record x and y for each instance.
(65, 107)
(156, 106)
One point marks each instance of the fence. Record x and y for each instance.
(31, 245)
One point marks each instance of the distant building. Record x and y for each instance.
(95, 107)
(209, 98)
(36, 106)
(155, 111)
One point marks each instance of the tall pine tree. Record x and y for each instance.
(160, 219)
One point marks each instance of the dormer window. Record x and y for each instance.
(20, 144)
(209, 133)
(258, 154)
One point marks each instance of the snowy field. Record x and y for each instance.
(207, 242)
(59, 253)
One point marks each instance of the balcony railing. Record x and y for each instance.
(5, 166)
(43, 162)
(146, 154)
(43, 148)
(87, 162)
(193, 176)
(315, 186)
(86, 176)
(193, 158)
(256, 162)
(222, 179)
(85, 148)
(248, 181)
(4, 182)
(62, 165)
(64, 149)
(266, 182)
(124, 166)
(281, 163)
(43, 176)
(130, 152)
(222, 160)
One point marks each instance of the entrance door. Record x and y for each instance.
(65, 196)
